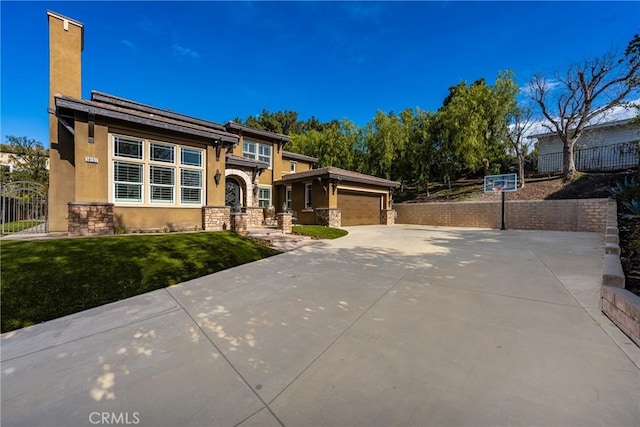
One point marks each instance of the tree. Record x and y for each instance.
(586, 90)
(284, 122)
(420, 151)
(521, 124)
(30, 159)
(472, 124)
(384, 137)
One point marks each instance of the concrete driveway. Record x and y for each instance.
(402, 325)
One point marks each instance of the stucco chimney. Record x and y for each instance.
(65, 68)
(66, 40)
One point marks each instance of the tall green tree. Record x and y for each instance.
(30, 159)
(472, 124)
(385, 136)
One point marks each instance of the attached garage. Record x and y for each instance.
(337, 197)
(358, 208)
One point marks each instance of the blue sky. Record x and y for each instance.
(220, 60)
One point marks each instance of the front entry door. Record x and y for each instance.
(232, 195)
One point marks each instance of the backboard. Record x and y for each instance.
(500, 183)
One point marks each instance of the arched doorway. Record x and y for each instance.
(233, 194)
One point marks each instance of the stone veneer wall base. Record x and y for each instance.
(216, 218)
(90, 219)
(329, 217)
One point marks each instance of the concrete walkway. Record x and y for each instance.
(389, 326)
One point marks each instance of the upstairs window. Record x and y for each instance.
(293, 166)
(127, 147)
(256, 151)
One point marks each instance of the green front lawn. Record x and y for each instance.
(319, 231)
(15, 226)
(46, 279)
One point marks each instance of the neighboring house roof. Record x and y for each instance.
(142, 117)
(612, 124)
(615, 116)
(340, 174)
(246, 162)
(257, 133)
(301, 157)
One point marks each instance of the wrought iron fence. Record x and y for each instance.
(594, 159)
(23, 208)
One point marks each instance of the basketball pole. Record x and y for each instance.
(503, 203)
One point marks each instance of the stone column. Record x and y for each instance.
(239, 222)
(216, 218)
(285, 222)
(388, 217)
(255, 216)
(90, 219)
(329, 217)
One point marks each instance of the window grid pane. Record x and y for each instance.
(124, 147)
(249, 150)
(264, 197)
(191, 157)
(265, 153)
(190, 186)
(162, 184)
(128, 182)
(162, 153)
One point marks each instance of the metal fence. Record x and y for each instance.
(594, 159)
(23, 208)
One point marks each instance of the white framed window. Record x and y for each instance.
(191, 157)
(128, 147)
(264, 153)
(161, 184)
(249, 149)
(264, 197)
(293, 166)
(128, 181)
(191, 186)
(307, 195)
(149, 173)
(287, 197)
(162, 153)
(256, 151)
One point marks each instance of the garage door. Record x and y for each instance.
(359, 208)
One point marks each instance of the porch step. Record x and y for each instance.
(283, 242)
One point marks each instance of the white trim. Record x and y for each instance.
(248, 184)
(360, 189)
(266, 187)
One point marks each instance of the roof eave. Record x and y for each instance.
(105, 112)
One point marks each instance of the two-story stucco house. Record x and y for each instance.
(117, 163)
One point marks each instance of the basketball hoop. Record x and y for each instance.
(498, 189)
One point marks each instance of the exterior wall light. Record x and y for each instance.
(217, 177)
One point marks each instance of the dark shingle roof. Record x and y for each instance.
(244, 161)
(296, 156)
(146, 118)
(337, 173)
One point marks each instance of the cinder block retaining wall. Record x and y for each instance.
(559, 215)
(618, 304)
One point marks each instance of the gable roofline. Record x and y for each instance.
(142, 118)
(339, 174)
(296, 156)
(135, 105)
(246, 130)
